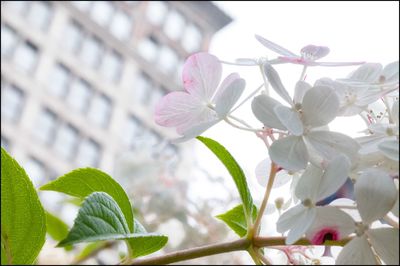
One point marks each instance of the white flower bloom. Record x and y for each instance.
(311, 108)
(314, 185)
(375, 195)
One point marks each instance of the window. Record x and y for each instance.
(12, 101)
(79, 95)
(101, 12)
(73, 37)
(88, 153)
(174, 24)
(156, 94)
(66, 141)
(59, 80)
(26, 57)
(142, 88)
(100, 110)
(167, 60)
(121, 25)
(91, 51)
(5, 143)
(133, 129)
(45, 126)
(36, 171)
(9, 39)
(148, 48)
(156, 11)
(39, 14)
(192, 38)
(82, 5)
(111, 66)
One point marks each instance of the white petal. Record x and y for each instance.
(225, 84)
(274, 47)
(303, 222)
(368, 72)
(201, 75)
(299, 91)
(246, 61)
(263, 109)
(314, 52)
(390, 149)
(375, 194)
(290, 119)
(227, 99)
(262, 174)
(330, 218)
(276, 83)
(308, 185)
(395, 112)
(386, 244)
(289, 153)
(391, 72)
(356, 252)
(289, 218)
(330, 144)
(320, 106)
(395, 209)
(195, 131)
(334, 176)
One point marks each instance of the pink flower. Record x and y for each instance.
(204, 103)
(308, 54)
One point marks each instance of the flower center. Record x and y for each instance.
(324, 234)
(361, 228)
(307, 203)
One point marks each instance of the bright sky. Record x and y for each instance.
(354, 31)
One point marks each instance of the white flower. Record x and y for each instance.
(311, 109)
(375, 195)
(314, 185)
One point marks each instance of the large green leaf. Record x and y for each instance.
(23, 222)
(84, 181)
(234, 169)
(100, 218)
(236, 219)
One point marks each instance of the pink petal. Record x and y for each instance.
(201, 75)
(204, 115)
(177, 108)
(314, 52)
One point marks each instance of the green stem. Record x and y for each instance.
(303, 73)
(254, 256)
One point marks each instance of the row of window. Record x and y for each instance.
(92, 52)
(175, 25)
(22, 53)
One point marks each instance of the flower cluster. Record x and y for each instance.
(323, 165)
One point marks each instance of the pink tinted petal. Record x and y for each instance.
(274, 47)
(204, 115)
(332, 64)
(314, 52)
(224, 84)
(201, 75)
(195, 131)
(177, 108)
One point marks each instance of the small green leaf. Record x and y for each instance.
(236, 219)
(84, 181)
(56, 228)
(100, 218)
(234, 169)
(23, 222)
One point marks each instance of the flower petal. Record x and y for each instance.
(289, 218)
(274, 47)
(290, 119)
(329, 144)
(368, 72)
(333, 64)
(262, 174)
(390, 149)
(356, 252)
(395, 112)
(229, 95)
(225, 84)
(303, 222)
(201, 75)
(386, 244)
(289, 153)
(375, 195)
(314, 52)
(177, 108)
(299, 91)
(334, 177)
(308, 185)
(195, 131)
(332, 220)
(320, 106)
(276, 83)
(391, 72)
(263, 109)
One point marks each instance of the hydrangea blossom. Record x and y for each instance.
(204, 103)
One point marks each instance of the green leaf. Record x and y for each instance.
(234, 169)
(91, 248)
(23, 222)
(56, 228)
(146, 243)
(84, 181)
(100, 218)
(236, 219)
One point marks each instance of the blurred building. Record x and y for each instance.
(79, 83)
(80, 79)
